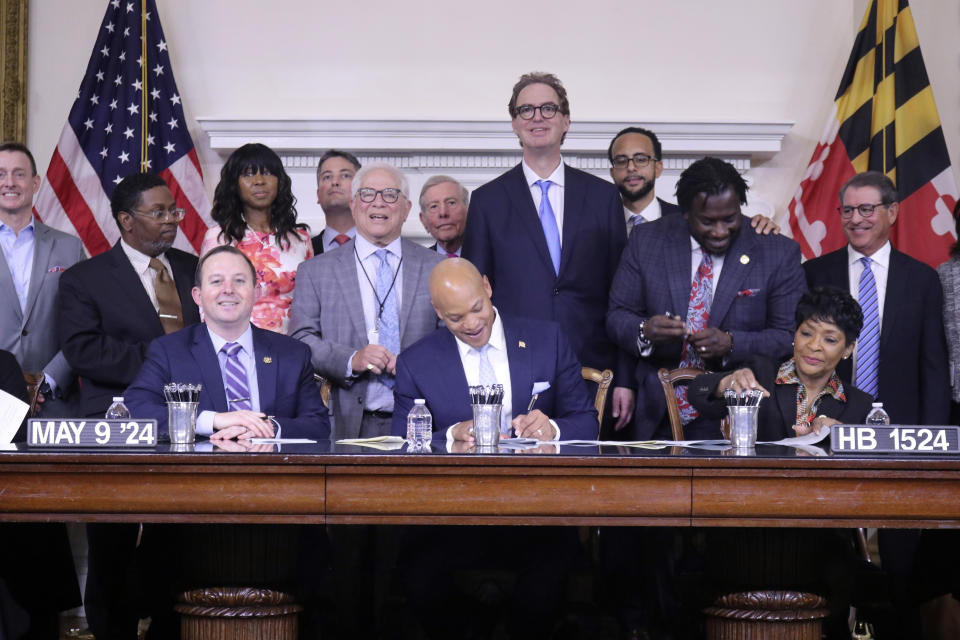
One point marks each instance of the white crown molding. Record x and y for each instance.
(753, 140)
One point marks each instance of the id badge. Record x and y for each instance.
(373, 336)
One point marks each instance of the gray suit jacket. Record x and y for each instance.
(32, 335)
(327, 315)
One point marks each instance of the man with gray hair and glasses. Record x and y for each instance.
(443, 213)
(357, 308)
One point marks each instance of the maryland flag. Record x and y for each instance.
(884, 119)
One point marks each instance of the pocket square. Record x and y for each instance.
(56, 269)
(746, 293)
(540, 387)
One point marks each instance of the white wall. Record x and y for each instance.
(693, 60)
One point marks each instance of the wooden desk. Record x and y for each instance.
(311, 483)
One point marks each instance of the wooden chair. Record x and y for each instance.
(325, 389)
(603, 379)
(33, 380)
(668, 378)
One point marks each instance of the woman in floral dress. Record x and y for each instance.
(255, 208)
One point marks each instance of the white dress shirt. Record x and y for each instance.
(555, 194)
(248, 361)
(500, 362)
(148, 277)
(880, 265)
(379, 397)
(650, 213)
(443, 251)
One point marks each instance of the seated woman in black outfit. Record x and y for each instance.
(804, 392)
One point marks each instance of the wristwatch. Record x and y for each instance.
(642, 341)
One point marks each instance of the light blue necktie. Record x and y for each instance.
(635, 221)
(868, 349)
(486, 369)
(549, 221)
(390, 317)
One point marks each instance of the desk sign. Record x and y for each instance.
(861, 438)
(87, 432)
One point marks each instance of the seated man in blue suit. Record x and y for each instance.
(523, 355)
(246, 372)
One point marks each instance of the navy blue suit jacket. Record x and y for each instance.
(755, 299)
(537, 352)
(284, 378)
(914, 375)
(505, 241)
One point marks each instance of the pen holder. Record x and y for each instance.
(743, 426)
(182, 422)
(486, 424)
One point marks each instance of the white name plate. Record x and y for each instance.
(87, 432)
(861, 438)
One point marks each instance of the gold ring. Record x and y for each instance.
(369, 366)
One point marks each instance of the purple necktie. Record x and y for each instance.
(235, 379)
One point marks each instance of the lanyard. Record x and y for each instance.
(380, 303)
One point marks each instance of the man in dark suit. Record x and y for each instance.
(111, 307)
(335, 173)
(443, 213)
(911, 374)
(743, 289)
(32, 259)
(279, 365)
(549, 236)
(636, 161)
(901, 356)
(114, 304)
(526, 355)
(523, 355)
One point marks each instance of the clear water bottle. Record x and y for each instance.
(118, 410)
(419, 424)
(877, 415)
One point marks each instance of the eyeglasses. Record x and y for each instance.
(369, 195)
(639, 159)
(866, 210)
(547, 110)
(177, 214)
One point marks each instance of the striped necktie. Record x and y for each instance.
(868, 346)
(235, 379)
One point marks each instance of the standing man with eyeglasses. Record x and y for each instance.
(636, 161)
(111, 307)
(356, 308)
(549, 237)
(901, 355)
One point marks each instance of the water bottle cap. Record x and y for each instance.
(118, 398)
(877, 404)
(419, 401)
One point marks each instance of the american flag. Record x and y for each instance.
(128, 117)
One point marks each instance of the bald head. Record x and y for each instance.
(461, 298)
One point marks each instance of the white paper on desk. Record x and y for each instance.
(12, 412)
(805, 443)
(282, 441)
(383, 443)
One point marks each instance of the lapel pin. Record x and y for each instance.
(522, 344)
(267, 360)
(744, 259)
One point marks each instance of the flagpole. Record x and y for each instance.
(143, 90)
